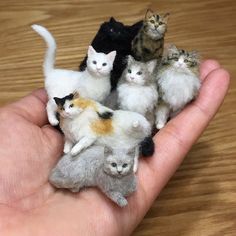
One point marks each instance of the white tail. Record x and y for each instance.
(49, 59)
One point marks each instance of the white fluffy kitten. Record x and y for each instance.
(178, 83)
(137, 91)
(92, 83)
(85, 122)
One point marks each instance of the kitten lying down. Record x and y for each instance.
(85, 122)
(109, 170)
(93, 83)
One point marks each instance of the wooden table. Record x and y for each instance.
(200, 199)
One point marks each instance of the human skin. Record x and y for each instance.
(30, 147)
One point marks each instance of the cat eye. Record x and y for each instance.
(185, 60)
(113, 164)
(129, 71)
(111, 30)
(152, 21)
(139, 73)
(124, 165)
(175, 58)
(160, 23)
(104, 64)
(71, 105)
(94, 62)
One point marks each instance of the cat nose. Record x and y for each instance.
(119, 171)
(99, 68)
(132, 78)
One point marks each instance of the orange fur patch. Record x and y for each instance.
(102, 127)
(84, 103)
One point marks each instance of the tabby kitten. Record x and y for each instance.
(149, 42)
(137, 90)
(178, 83)
(108, 169)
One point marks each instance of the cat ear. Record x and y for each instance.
(76, 94)
(151, 65)
(130, 59)
(171, 48)
(57, 100)
(112, 20)
(91, 51)
(132, 151)
(166, 17)
(149, 13)
(107, 151)
(111, 56)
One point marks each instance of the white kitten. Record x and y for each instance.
(92, 83)
(85, 122)
(178, 83)
(137, 90)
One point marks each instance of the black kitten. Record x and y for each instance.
(114, 35)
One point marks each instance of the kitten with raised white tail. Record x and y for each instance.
(93, 83)
(178, 83)
(137, 90)
(85, 122)
(111, 170)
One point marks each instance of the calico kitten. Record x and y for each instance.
(149, 42)
(93, 83)
(114, 35)
(178, 83)
(112, 173)
(85, 122)
(137, 90)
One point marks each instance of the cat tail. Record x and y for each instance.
(49, 59)
(147, 147)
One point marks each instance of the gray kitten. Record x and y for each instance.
(178, 83)
(112, 173)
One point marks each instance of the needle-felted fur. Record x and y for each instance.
(178, 83)
(114, 36)
(109, 170)
(92, 83)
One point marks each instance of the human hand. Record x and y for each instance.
(29, 149)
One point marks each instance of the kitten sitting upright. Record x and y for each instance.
(178, 83)
(149, 42)
(114, 36)
(112, 173)
(137, 90)
(92, 83)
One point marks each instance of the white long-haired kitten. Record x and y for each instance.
(92, 83)
(137, 90)
(84, 122)
(178, 83)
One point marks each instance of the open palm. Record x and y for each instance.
(30, 147)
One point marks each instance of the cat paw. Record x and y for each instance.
(122, 202)
(160, 125)
(67, 148)
(74, 151)
(53, 121)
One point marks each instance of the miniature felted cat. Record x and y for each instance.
(137, 90)
(92, 83)
(85, 122)
(114, 35)
(178, 83)
(110, 170)
(149, 42)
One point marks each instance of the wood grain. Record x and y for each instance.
(200, 200)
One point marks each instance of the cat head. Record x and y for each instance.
(139, 72)
(116, 31)
(66, 105)
(118, 162)
(180, 58)
(155, 25)
(100, 64)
